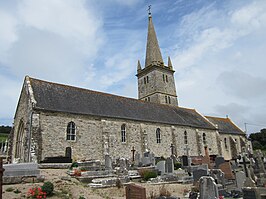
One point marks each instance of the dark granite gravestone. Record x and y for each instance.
(58, 159)
(197, 174)
(218, 161)
(184, 161)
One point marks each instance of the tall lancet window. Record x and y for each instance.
(225, 143)
(185, 137)
(123, 133)
(158, 135)
(204, 139)
(71, 131)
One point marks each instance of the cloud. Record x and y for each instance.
(242, 85)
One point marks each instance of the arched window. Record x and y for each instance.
(225, 143)
(169, 100)
(71, 131)
(147, 79)
(123, 133)
(204, 139)
(144, 80)
(185, 137)
(166, 78)
(149, 99)
(158, 135)
(166, 99)
(163, 78)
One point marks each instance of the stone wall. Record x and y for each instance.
(22, 118)
(157, 87)
(228, 151)
(98, 136)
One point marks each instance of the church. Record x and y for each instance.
(53, 120)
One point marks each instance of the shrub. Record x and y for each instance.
(74, 164)
(48, 187)
(82, 197)
(9, 189)
(149, 174)
(177, 165)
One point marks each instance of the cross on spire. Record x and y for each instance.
(149, 9)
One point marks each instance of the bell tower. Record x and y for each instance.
(156, 81)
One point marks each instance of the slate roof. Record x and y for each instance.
(225, 125)
(62, 98)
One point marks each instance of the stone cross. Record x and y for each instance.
(187, 150)
(172, 149)
(245, 165)
(133, 153)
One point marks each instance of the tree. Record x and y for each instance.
(258, 139)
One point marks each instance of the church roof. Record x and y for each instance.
(225, 125)
(62, 98)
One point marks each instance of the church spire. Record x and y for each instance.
(153, 53)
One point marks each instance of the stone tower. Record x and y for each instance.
(156, 81)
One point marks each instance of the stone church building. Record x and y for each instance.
(54, 120)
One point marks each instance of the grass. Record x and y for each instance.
(3, 137)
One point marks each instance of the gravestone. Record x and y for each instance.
(135, 192)
(161, 166)
(137, 159)
(218, 161)
(21, 169)
(240, 179)
(184, 161)
(208, 188)
(122, 166)
(108, 162)
(169, 165)
(197, 174)
(227, 169)
(218, 176)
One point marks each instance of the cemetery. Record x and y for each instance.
(143, 176)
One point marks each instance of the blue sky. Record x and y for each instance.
(217, 50)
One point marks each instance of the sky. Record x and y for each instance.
(217, 49)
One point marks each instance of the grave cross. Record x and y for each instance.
(133, 153)
(187, 150)
(172, 149)
(245, 163)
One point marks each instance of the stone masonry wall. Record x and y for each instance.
(98, 136)
(227, 151)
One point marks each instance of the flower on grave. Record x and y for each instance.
(36, 192)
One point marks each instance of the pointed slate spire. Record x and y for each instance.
(153, 53)
(170, 66)
(139, 66)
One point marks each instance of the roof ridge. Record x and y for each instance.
(109, 94)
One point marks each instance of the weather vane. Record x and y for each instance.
(149, 9)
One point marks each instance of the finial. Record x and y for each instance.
(139, 66)
(170, 63)
(149, 9)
